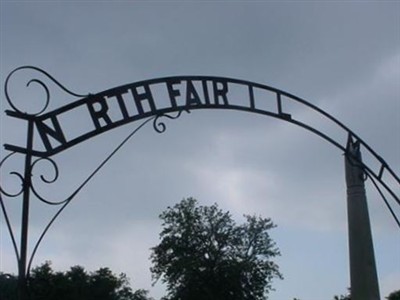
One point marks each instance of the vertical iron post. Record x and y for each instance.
(363, 275)
(22, 271)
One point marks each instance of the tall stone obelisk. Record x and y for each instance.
(363, 275)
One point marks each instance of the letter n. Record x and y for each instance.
(45, 131)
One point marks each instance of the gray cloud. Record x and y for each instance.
(342, 57)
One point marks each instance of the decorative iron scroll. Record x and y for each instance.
(12, 173)
(159, 126)
(40, 83)
(47, 179)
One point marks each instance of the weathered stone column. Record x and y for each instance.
(363, 275)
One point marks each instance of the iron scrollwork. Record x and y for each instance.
(14, 173)
(46, 180)
(38, 82)
(159, 126)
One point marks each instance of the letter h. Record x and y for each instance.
(146, 95)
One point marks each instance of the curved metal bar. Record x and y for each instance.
(9, 227)
(384, 199)
(350, 132)
(48, 181)
(39, 82)
(332, 142)
(345, 150)
(44, 233)
(2, 191)
(72, 196)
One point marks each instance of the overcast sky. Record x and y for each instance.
(342, 56)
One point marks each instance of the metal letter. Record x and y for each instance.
(141, 97)
(99, 114)
(205, 90)
(122, 105)
(220, 92)
(45, 131)
(192, 97)
(172, 92)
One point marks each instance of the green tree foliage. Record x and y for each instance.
(394, 295)
(75, 284)
(204, 254)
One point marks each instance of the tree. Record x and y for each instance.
(343, 297)
(394, 295)
(8, 287)
(75, 284)
(141, 295)
(204, 254)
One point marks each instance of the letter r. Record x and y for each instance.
(100, 113)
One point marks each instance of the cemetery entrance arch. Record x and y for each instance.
(157, 100)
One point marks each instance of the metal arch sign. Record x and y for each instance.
(158, 97)
(138, 101)
(151, 100)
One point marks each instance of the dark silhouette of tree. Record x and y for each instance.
(394, 295)
(141, 295)
(342, 297)
(204, 254)
(74, 284)
(8, 287)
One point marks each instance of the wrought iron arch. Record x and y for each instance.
(139, 101)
